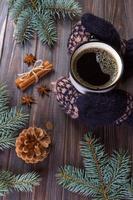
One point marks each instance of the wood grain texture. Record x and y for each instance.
(67, 133)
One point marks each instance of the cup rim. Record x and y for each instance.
(103, 46)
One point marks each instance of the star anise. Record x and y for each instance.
(27, 100)
(43, 90)
(29, 59)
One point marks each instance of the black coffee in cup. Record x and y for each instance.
(95, 68)
(89, 70)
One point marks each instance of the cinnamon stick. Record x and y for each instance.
(24, 81)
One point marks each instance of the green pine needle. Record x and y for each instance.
(7, 141)
(17, 7)
(4, 99)
(45, 27)
(92, 153)
(76, 180)
(130, 189)
(11, 120)
(26, 181)
(11, 3)
(38, 16)
(24, 30)
(62, 8)
(104, 177)
(23, 183)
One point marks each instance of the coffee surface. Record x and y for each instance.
(90, 71)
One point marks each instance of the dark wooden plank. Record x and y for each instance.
(67, 133)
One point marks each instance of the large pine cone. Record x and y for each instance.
(33, 145)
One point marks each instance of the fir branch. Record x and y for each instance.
(95, 158)
(5, 179)
(76, 180)
(45, 27)
(117, 175)
(13, 120)
(34, 4)
(39, 16)
(62, 8)
(24, 30)
(4, 99)
(3, 188)
(130, 190)
(17, 7)
(7, 141)
(104, 178)
(24, 182)
(117, 169)
(11, 3)
(10, 123)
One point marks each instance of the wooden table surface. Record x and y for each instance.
(67, 133)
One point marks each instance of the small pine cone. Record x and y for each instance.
(33, 145)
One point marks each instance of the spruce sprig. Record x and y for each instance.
(45, 27)
(17, 8)
(7, 141)
(4, 99)
(24, 30)
(23, 183)
(11, 120)
(104, 177)
(31, 16)
(62, 8)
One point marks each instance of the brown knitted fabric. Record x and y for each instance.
(122, 106)
(33, 145)
(129, 110)
(67, 95)
(77, 37)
